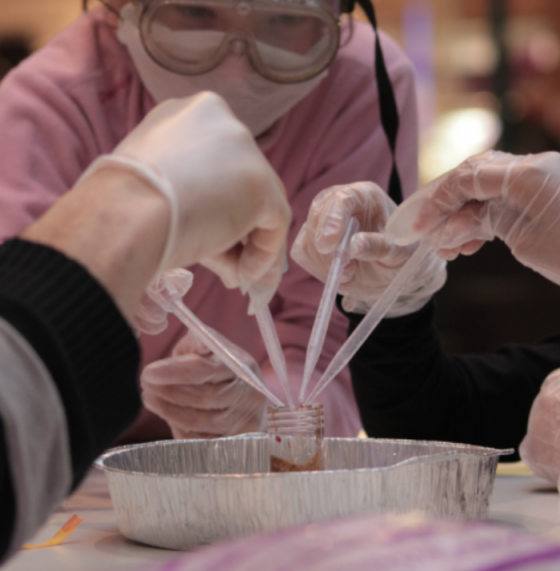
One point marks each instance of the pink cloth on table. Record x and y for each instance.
(80, 95)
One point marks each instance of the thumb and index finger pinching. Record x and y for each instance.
(451, 209)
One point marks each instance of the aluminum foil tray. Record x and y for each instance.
(178, 494)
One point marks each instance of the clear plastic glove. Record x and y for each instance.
(540, 448)
(228, 206)
(199, 396)
(514, 198)
(375, 259)
(150, 317)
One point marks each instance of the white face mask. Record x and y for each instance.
(257, 102)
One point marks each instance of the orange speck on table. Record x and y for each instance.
(63, 533)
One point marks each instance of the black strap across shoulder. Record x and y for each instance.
(387, 101)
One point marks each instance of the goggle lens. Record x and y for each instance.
(192, 37)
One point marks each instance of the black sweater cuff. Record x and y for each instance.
(82, 338)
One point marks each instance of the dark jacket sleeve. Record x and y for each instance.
(87, 346)
(407, 387)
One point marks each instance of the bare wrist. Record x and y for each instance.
(113, 223)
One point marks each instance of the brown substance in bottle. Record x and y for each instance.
(280, 465)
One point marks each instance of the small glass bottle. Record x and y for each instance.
(296, 438)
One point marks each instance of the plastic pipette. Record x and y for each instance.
(341, 257)
(372, 319)
(274, 349)
(171, 301)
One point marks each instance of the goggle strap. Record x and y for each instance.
(387, 104)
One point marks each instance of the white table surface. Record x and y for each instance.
(525, 502)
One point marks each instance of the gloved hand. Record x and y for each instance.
(375, 259)
(515, 198)
(540, 448)
(199, 396)
(228, 206)
(150, 317)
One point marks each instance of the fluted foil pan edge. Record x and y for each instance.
(181, 493)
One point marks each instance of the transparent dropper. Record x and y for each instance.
(372, 318)
(340, 258)
(274, 349)
(170, 300)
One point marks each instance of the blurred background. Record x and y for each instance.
(488, 74)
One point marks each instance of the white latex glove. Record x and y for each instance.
(150, 317)
(375, 259)
(540, 448)
(515, 198)
(199, 396)
(228, 206)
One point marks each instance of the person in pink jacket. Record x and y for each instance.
(80, 95)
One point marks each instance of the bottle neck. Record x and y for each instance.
(300, 421)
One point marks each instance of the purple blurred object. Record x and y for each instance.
(411, 542)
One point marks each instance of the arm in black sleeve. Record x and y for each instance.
(407, 387)
(88, 348)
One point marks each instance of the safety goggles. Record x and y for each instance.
(286, 41)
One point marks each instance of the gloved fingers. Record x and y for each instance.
(540, 448)
(193, 420)
(306, 255)
(533, 182)
(207, 396)
(212, 207)
(262, 291)
(243, 425)
(348, 275)
(177, 281)
(330, 212)
(180, 279)
(188, 419)
(187, 369)
(474, 221)
(472, 247)
(264, 253)
(190, 343)
(228, 268)
(329, 217)
(328, 220)
(467, 249)
(242, 419)
(374, 246)
(150, 318)
(226, 265)
(424, 212)
(149, 328)
(480, 178)
(198, 395)
(262, 288)
(318, 265)
(552, 382)
(258, 260)
(352, 305)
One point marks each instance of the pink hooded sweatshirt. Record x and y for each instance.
(76, 98)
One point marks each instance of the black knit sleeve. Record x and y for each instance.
(407, 387)
(85, 343)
